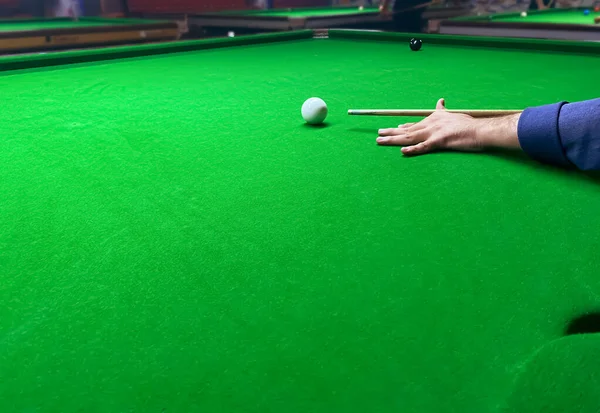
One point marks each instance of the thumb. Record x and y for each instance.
(441, 104)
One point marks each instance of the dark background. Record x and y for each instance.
(40, 8)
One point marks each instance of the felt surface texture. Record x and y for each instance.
(173, 237)
(562, 376)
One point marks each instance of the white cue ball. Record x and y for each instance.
(314, 111)
(523, 14)
(361, 8)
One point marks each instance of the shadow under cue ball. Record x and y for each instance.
(314, 111)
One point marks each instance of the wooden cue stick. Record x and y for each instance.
(426, 112)
(596, 20)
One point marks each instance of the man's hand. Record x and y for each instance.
(444, 130)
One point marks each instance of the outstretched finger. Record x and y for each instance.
(404, 138)
(389, 132)
(420, 148)
(407, 127)
(395, 140)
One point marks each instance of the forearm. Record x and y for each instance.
(498, 133)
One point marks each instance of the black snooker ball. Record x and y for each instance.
(415, 44)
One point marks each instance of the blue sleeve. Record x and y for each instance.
(565, 134)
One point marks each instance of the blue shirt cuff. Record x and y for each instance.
(579, 128)
(539, 136)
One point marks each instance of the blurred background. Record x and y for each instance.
(36, 25)
(51, 8)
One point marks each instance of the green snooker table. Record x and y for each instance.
(174, 238)
(565, 24)
(40, 34)
(290, 19)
